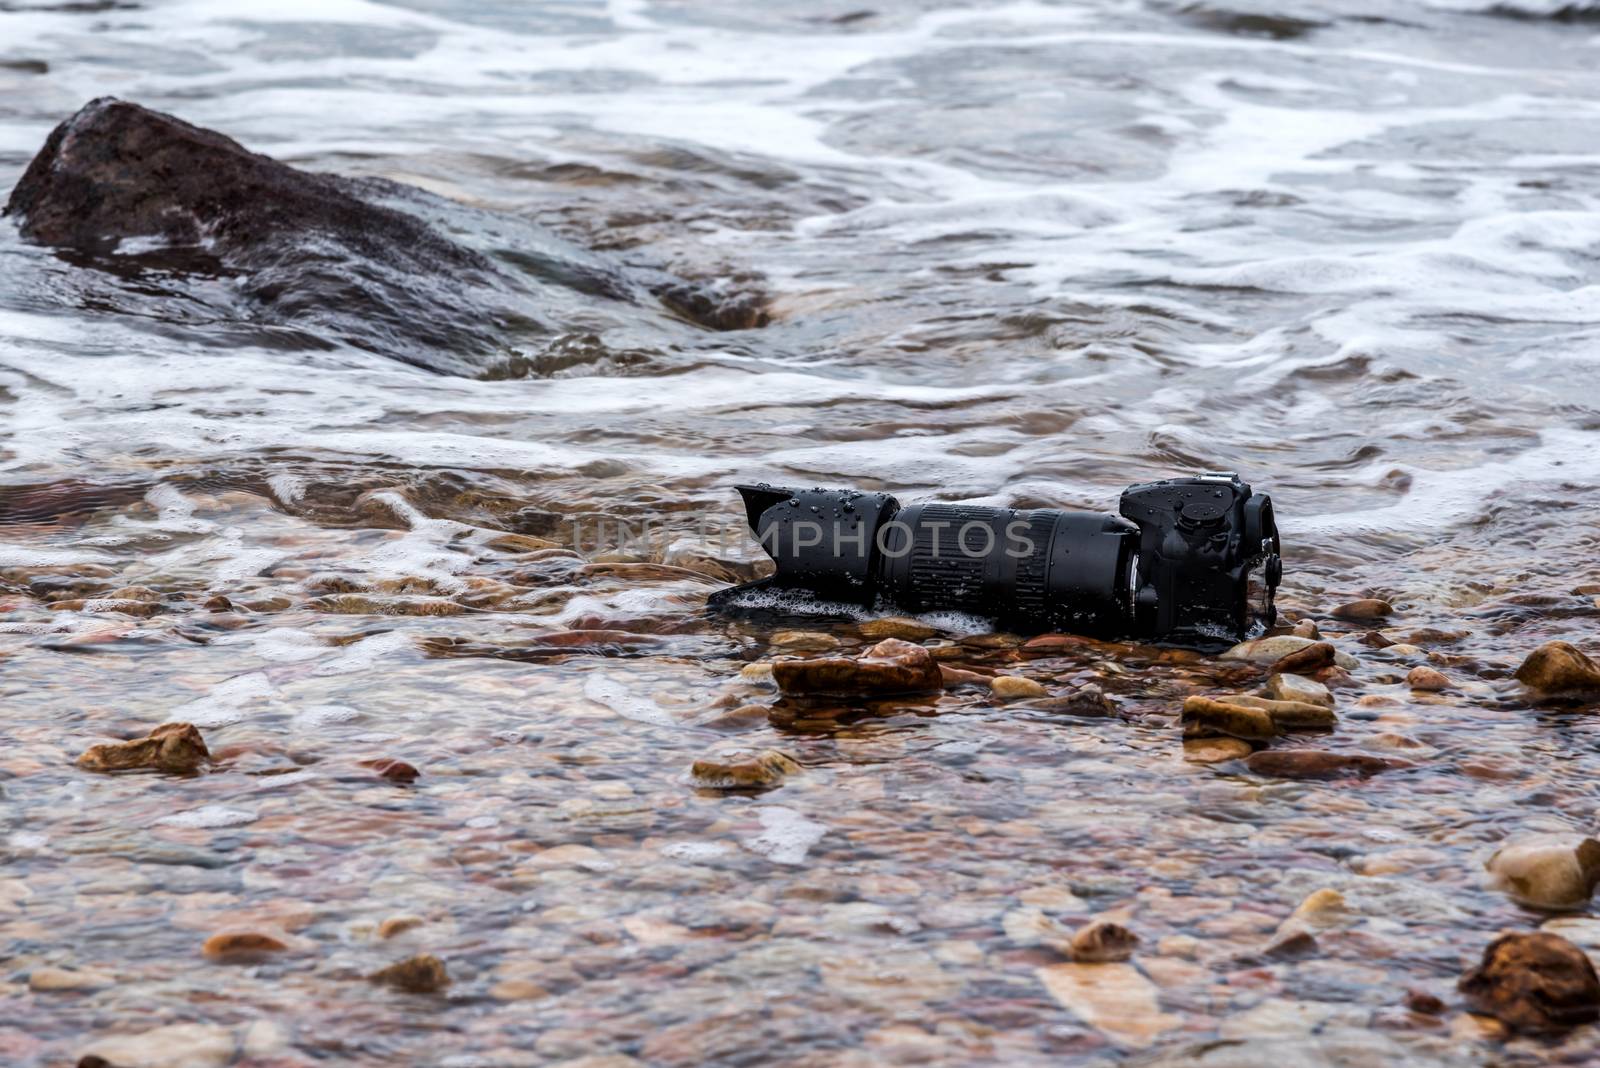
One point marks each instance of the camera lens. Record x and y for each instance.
(1027, 567)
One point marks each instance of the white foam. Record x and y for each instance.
(624, 701)
(210, 816)
(786, 836)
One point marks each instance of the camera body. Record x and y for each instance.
(1174, 565)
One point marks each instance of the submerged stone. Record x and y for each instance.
(1204, 716)
(175, 748)
(743, 769)
(1290, 687)
(184, 1045)
(423, 974)
(891, 666)
(1546, 872)
(1319, 764)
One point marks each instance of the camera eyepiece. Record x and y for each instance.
(1174, 566)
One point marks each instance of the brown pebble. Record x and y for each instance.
(1534, 982)
(392, 770)
(175, 748)
(1203, 716)
(241, 947)
(891, 666)
(1424, 1002)
(1365, 609)
(397, 925)
(423, 974)
(896, 627)
(1306, 661)
(1319, 764)
(1102, 941)
(1559, 668)
(743, 769)
(1427, 679)
(1215, 750)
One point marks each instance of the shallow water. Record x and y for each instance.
(1015, 253)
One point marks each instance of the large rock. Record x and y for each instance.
(1535, 982)
(184, 1045)
(320, 257)
(1559, 669)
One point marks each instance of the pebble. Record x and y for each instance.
(1427, 679)
(1204, 715)
(241, 947)
(804, 641)
(1215, 750)
(1291, 715)
(1116, 999)
(1547, 872)
(896, 627)
(954, 677)
(1319, 764)
(184, 1045)
(1013, 687)
(1559, 668)
(1307, 628)
(1266, 650)
(397, 925)
(175, 748)
(1306, 660)
(424, 974)
(742, 769)
(392, 770)
(45, 979)
(891, 666)
(1534, 982)
(1289, 687)
(1101, 941)
(1365, 609)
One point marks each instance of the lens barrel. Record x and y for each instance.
(1030, 568)
(1175, 565)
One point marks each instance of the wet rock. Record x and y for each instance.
(45, 979)
(743, 769)
(1368, 608)
(391, 770)
(1291, 715)
(804, 641)
(1322, 910)
(174, 748)
(242, 947)
(1534, 982)
(424, 974)
(1015, 687)
(1306, 628)
(308, 248)
(954, 676)
(1560, 669)
(891, 666)
(1306, 660)
(896, 627)
(1204, 716)
(398, 925)
(185, 1045)
(1288, 687)
(1424, 1002)
(1086, 700)
(1319, 764)
(1268, 650)
(1427, 679)
(1546, 872)
(1215, 750)
(1101, 941)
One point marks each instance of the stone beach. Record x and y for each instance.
(360, 701)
